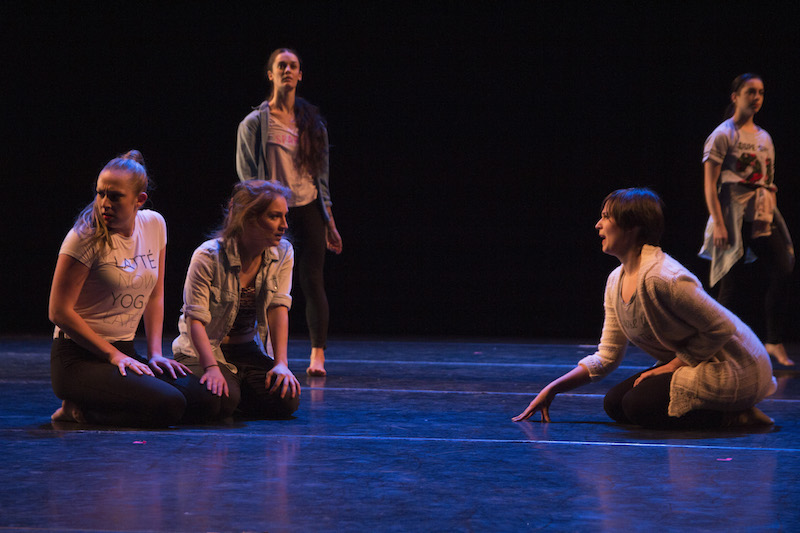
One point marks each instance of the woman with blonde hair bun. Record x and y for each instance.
(109, 276)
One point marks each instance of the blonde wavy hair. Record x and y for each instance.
(90, 223)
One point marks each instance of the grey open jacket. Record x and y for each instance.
(251, 154)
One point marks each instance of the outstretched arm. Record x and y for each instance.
(577, 377)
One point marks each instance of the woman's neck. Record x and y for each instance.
(248, 252)
(283, 101)
(127, 229)
(744, 121)
(631, 261)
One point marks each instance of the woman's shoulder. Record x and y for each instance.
(727, 128)
(285, 248)
(614, 277)
(660, 266)
(211, 246)
(255, 113)
(78, 241)
(764, 134)
(148, 215)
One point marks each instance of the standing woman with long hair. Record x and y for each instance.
(285, 140)
(110, 275)
(744, 221)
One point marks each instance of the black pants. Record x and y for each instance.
(646, 405)
(106, 397)
(307, 235)
(768, 276)
(247, 388)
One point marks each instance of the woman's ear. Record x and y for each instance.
(141, 199)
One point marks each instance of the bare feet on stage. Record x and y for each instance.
(749, 417)
(68, 412)
(317, 366)
(778, 352)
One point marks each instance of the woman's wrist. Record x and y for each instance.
(210, 366)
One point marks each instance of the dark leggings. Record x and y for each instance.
(106, 397)
(646, 405)
(307, 235)
(247, 388)
(774, 265)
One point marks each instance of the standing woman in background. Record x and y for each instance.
(744, 222)
(285, 140)
(110, 274)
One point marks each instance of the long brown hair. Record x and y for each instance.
(249, 200)
(311, 154)
(89, 222)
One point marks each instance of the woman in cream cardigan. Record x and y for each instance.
(711, 369)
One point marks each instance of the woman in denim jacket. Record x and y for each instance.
(234, 326)
(285, 140)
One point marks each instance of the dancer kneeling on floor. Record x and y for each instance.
(236, 304)
(109, 274)
(711, 368)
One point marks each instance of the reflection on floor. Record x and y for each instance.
(401, 436)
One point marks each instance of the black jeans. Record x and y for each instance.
(247, 388)
(106, 397)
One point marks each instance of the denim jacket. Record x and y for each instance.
(251, 154)
(211, 293)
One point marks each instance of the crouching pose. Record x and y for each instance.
(711, 368)
(234, 327)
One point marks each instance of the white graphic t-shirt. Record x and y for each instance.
(746, 157)
(121, 278)
(282, 145)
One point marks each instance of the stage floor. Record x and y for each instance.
(401, 436)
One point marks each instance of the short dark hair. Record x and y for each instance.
(637, 208)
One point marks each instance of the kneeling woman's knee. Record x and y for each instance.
(286, 407)
(613, 408)
(165, 409)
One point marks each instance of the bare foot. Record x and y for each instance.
(778, 352)
(317, 366)
(68, 412)
(752, 417)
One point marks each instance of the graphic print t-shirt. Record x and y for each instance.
(280, 153)
(121, 277)
(746, 157)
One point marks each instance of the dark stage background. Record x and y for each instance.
(471, 142)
